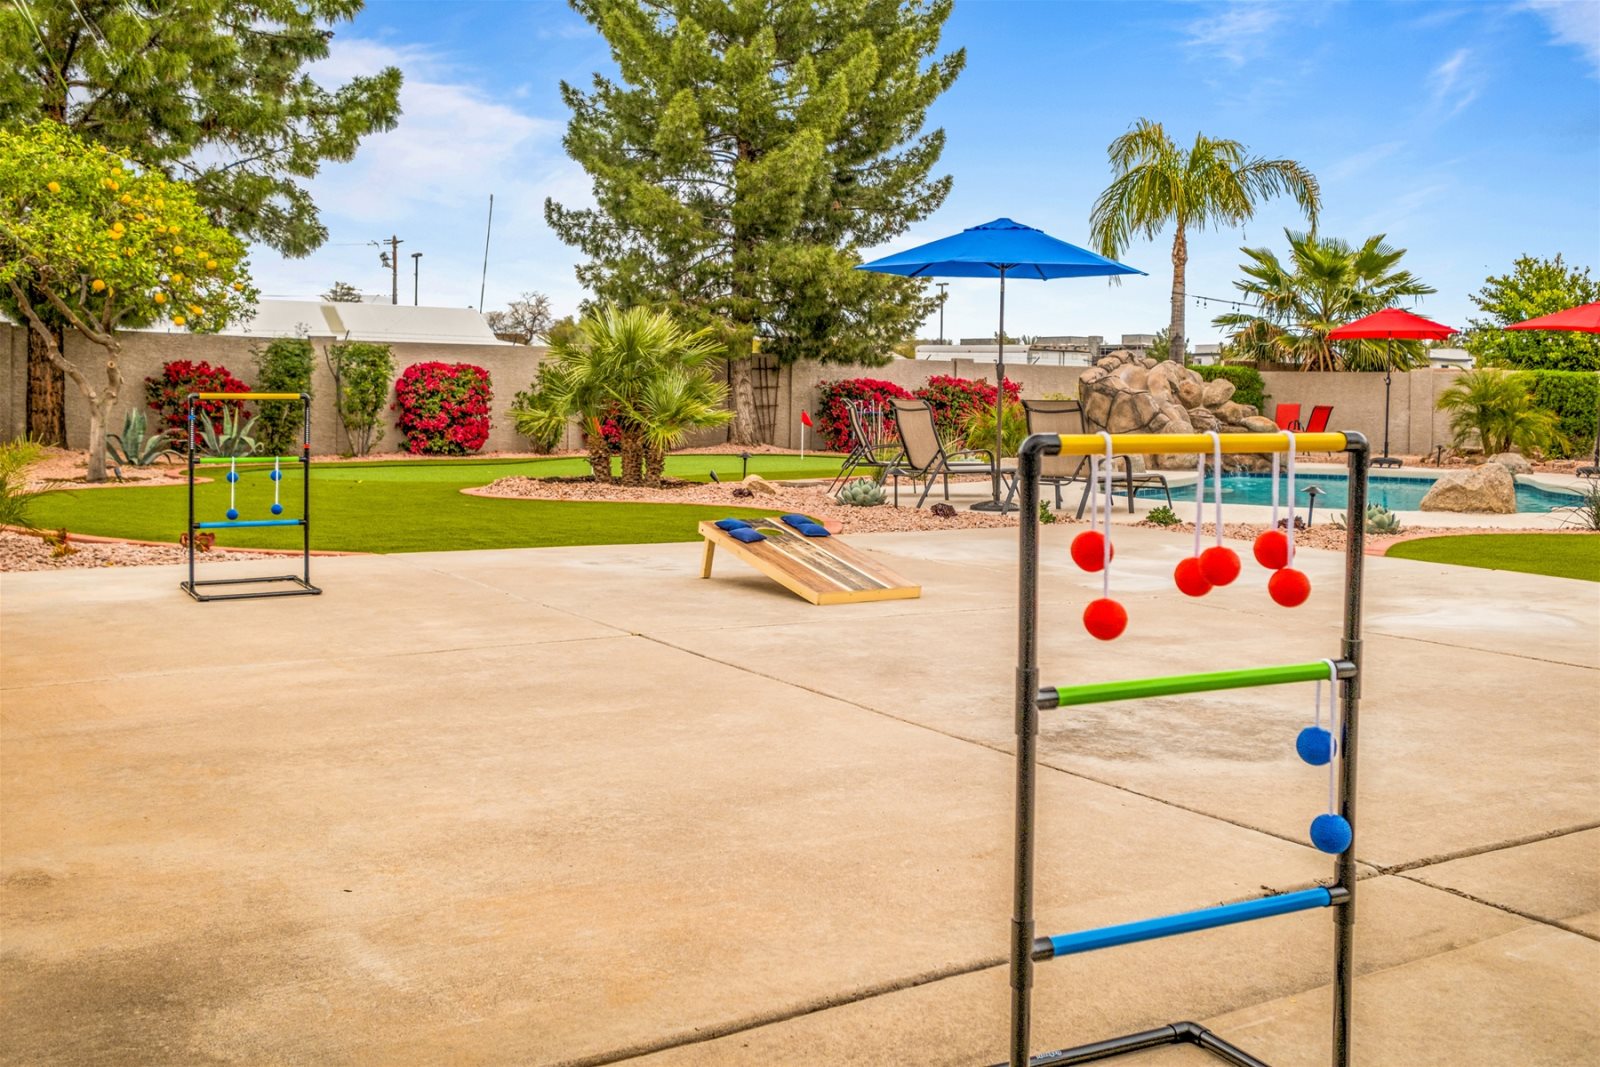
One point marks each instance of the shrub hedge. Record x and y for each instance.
(444, 408)
(168, 394)
(282, 366)
(1574, 396)
(1248, 385)
(954, 401)
(833, 421)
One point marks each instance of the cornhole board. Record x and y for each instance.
(823, 570)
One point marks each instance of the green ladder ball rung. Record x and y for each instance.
(1171, 685)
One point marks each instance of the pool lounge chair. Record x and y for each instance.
(1066, 416)
(1318, 422)
(923, 455)
(1287, 416)
(867, 447)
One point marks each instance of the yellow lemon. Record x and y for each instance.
(238, 287)
(125, 199)
(160, 203)
(195, 310)
(178, 320)
(211, 264)
(116, 235)
(97, 285)
(54, 187)
(176, 277)
(139, 215)
(172, 230)
(177, 250)
(160, 298)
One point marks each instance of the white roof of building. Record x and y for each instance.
(366, 322)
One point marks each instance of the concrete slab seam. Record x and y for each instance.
(1508, 909)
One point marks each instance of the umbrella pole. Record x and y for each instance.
(1388, 372)
(995, 503)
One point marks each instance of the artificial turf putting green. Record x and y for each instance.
(1558, 555)
(411, 506)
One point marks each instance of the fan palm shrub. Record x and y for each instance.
(1325, 283)
(641, 369)
(1213, 182)
(1497, 409)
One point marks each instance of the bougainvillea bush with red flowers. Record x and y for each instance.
(168, 395)
(955, 400)
(833, 421)
(444, 408)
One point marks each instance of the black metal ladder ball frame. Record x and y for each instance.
(301, 581)
(1031, 699)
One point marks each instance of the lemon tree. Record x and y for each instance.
(107, 245)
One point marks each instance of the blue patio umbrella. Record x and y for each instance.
(998, 249)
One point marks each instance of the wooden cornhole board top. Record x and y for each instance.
(823, 570)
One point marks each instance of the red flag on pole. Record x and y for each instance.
(805, 418)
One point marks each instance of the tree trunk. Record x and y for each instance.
(1176, 347)
(741, 387)
(655, 465)
(599, 456)
(99, 409)
(632, 457)
(47, 394)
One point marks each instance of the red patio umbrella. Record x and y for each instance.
(1386, 325)
(1585, 318)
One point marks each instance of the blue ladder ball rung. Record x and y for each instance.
(1187, 922)
(247, 522)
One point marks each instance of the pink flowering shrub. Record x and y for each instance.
(444, 408)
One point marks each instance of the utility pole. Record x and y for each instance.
(942, 295)
(416, 268)
(391, 259)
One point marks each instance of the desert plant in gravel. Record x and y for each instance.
(862, 493)
(16, 457)
(1380, 520)
(133, 447)
(232, 436)
(1162, 515)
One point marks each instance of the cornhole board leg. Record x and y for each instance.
(852, 577)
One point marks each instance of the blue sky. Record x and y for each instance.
(1468, 132)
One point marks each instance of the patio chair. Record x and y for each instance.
(1066, 417)
(869, 446)
(924, 456)
(1287, 416)
(1318, 422)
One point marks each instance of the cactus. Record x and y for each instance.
(862, 493)
(133, 448)
(1380, 520)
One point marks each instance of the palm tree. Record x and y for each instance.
(1325, 284)
(1497, 409)
(1213, 183)
(642, 369)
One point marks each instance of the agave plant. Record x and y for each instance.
(862, 493)
(132, 448)
(1380, 520)
(230, 436)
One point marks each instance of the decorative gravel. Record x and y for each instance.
(809, 499)
(25, 552)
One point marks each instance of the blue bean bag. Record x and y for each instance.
(746, 534)
(812, 529)
(732, 524)
(798, 521)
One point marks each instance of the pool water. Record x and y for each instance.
(1395, 492)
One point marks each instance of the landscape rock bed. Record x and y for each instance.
(811, 500)
(28, 552)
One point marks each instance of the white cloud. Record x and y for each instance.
(429, 180)
(1235, 32)
(1572, 22)
(1455, 82)
(1362, 161)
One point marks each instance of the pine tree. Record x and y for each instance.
(749, 150)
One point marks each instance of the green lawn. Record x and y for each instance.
(411, 506)
(1559, 555)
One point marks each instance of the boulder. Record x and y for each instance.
(1203, 420)
(1259, 424)
(1515, 462)
(758, 484)
(1190, 393)
(1230, 411)
(1216, 393)
(1489, 488)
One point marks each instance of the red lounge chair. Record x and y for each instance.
(1287, 416)
(1318, 422)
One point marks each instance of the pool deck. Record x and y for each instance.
(572, 807)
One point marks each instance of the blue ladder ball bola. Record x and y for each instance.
(1315, 745)
(277, 508)
(233, 513)
(1330, 833)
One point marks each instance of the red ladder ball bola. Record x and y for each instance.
(1105, 619)
(1197, 574)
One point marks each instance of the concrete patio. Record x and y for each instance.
(579, 807)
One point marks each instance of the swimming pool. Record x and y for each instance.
(1395, 492)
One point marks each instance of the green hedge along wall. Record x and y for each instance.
(1574, 396)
